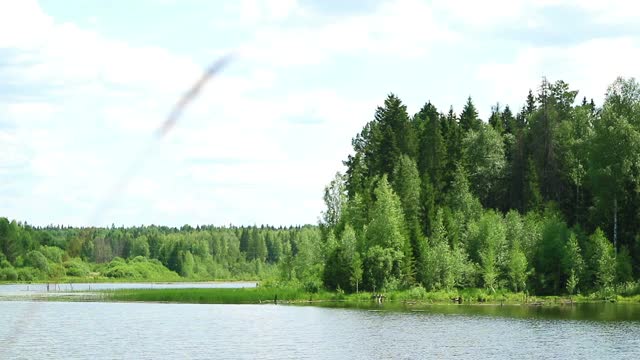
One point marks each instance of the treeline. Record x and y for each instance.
(30, 253)
(544, 199)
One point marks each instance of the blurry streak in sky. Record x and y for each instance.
(162, 131)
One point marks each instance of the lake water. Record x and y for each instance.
(93, 330)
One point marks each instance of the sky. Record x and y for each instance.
(85, 83)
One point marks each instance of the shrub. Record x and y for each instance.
(28, 274)
(138, 268)
(53, 253)
(76, 267)
(312, 286)
(417, 293)
(8, 274)
(36, 260)
(56, 271)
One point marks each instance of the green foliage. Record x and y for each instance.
(140, 247)
(9, 247)
(29, 274)
(138, 269)
(337, 271)
(53, 253)
(432, 149)
(485, 163)
(36, 260)
(460, 199)
(387, 228)
(387, 233)
(572, 263)
(601, 260)
(407, 186)
(517, 269)
(469, 117)
(76, 267)
(335, 197)
(343, 267)
(444, 267)
(8, 274)
(550, 275)
(218, 295)
(624, 269)
(380, 268)
(408, 212)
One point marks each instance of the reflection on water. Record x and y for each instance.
(25, 289)
(55, 330)
(601, 311)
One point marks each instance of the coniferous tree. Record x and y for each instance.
(469, 117)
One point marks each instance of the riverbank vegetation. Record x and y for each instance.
(296, 295)
(539, 201)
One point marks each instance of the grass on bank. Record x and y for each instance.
(296, 295)
(217, 295)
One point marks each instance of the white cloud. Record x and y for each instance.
(23, 24)
(256, 11)
(589, 67)
(523, 13)
(398, 29)
(613, 12)
(488, 13)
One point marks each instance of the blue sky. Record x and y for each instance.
(85, 83)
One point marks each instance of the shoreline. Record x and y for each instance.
(293, 295)
(121, 281)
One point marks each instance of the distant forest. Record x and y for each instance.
(543, 199)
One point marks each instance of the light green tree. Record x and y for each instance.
(485, 163)
(572, 263)
(387, 231)
(614, 155)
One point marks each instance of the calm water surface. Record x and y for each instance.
(78, 330)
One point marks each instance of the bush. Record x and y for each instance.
(76, 267)
(8, 274)
(36, 260)
(53, 253)
(28, 274)
(56, 271)
(629, 288)
(138, 268)
(312, 286)
(121, 271)
(417, 293)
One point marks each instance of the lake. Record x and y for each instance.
(94, 330)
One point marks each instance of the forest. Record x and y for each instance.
(544, 200)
